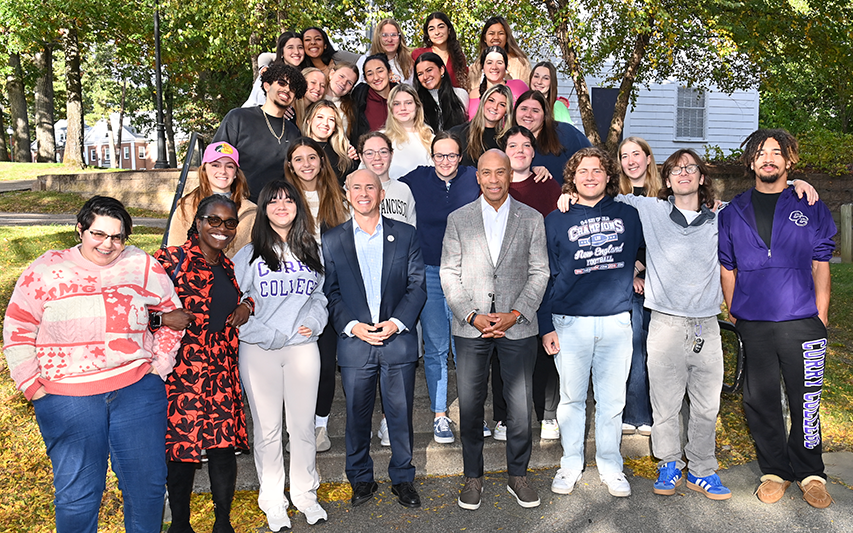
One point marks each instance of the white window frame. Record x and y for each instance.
(691, 106)
(142, 152)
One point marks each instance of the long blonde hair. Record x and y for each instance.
(395, 131)
(478, 123)
(404, 55)
(338, 141)
(652, 183)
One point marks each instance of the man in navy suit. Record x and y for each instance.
(376, 290)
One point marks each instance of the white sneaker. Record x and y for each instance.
(617, 485)
(487, 432)
(628, 429)
(565, 481)
(550, 430)
(277, 518)
(321, 437)
(499, 433)
(384, 439)
(315, 514)
(645, 430)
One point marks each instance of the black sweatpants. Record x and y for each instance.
(797, 350)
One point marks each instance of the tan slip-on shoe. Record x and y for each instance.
(772, 488)
(814, 492)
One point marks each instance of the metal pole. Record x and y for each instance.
(161, 126)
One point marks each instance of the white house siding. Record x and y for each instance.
(728, 118)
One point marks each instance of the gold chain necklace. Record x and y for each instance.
(277, 137)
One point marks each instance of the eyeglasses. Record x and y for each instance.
(441, 157)
(215, 221)
(390, 35)
(370, 154)
(690, 169)
(100, 236)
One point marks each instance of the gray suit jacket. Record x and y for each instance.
(518, 280)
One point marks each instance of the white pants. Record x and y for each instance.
(270, 377)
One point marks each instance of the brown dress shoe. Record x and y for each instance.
(772, 488)
(814, 492)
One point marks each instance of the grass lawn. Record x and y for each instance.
(26, 493)
(56, 203)
(30, 171)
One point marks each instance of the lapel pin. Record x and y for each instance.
(390, 238)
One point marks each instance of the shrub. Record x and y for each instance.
(826, 151)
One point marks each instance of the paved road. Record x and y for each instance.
(591, 509)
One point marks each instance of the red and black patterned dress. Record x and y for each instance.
(204, 392)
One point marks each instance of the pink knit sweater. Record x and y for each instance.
(79, 329)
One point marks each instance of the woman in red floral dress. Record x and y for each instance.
(205, 397)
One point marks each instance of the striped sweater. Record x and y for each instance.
(78, 329)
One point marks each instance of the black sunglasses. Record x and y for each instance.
(215, 221)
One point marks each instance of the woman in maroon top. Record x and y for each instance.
(370, 99)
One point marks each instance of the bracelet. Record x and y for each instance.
(248, 306)
(473, 316)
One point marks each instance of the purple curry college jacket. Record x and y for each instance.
(775, 284)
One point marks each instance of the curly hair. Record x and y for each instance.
(286, 75)
(605, 160)
(753, 144)
(454, 49)
(706, 188)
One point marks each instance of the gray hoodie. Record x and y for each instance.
(284, 301)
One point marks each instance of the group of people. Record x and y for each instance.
(289, 261)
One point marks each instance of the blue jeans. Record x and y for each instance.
(80, 432)
(601, 344)
(638, 408)
(435, 320)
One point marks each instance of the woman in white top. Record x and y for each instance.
(288, 49)
(388, 39)
(444, 105)
(308, 170)
(411, 138)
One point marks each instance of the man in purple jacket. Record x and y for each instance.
(774, 264)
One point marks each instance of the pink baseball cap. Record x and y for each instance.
(218, 151)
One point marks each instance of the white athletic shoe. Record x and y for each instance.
(565, 481)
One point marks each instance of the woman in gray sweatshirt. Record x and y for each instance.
(282, 271)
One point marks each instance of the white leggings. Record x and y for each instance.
(292, 375)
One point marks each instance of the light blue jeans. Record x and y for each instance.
(435, 320)
(601, 344)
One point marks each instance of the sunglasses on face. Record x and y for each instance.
(215, 221)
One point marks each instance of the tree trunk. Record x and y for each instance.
(570, 57)
(45, 137)
(120, 154)
(254, 41)
(74, 105)
(18, 110)
(168, 120)
(617, 122)
(4, 151)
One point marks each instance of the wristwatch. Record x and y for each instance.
(520, 319)
(155, 320)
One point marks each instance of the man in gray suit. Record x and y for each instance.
(494, 270)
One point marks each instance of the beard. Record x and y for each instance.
(773, 177)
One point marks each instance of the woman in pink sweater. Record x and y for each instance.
(78, 343)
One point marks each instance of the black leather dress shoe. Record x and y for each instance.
(363, 491)
(406, 494)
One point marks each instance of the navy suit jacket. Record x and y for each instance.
(403, 291)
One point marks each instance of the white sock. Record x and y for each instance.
(321, 421)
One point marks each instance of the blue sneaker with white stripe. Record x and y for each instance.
(669, 477)
(710, 486)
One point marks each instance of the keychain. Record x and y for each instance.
(698, 341)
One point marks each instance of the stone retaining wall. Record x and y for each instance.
(150, 189)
